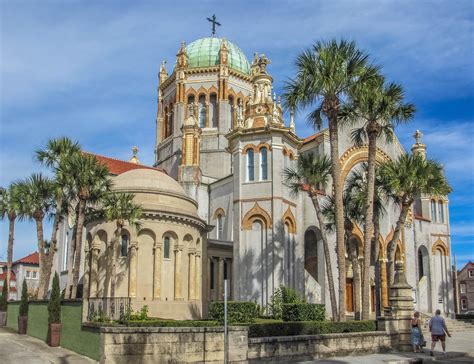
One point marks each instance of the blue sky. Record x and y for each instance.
(89, 70)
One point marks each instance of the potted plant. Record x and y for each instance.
(54, 314)
(23, 314)
(3, 304)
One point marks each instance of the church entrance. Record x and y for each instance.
(349, 295)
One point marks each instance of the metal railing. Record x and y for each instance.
(108, 308)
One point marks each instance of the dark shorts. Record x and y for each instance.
(435, 338)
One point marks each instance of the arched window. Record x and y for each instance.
(440, 211)
(250, 165)
(166, 248)
(421, 272)
(220, 227)
(213, 111)
(433, 211)
(124, 246)
(170, 122)
(263, 164)
(202, 111)
(232, 112)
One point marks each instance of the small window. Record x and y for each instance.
(263, 164)
(433, 211)
(12, 283)
(471, 273)
(66, 251)
(250, 165)
(166, 248)
(28, 273)
(462, 287)
(463, 304)
(220, 227)
(34, 274)
(124, 246)
(441, 211)
(211, 278)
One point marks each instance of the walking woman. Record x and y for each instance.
(416, 334)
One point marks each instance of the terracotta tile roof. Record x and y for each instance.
(312, 137)
(4, 275)
(33, 258)
(117, 166)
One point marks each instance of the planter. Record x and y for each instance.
(22, 324)
(3, 318)
(54, 335)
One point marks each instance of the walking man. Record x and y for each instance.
(438, 331)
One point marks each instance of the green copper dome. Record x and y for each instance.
(205, 52)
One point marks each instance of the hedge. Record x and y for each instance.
(170, 323)
(303, 312)
(309, 328)
(237, 312)
(464, 317)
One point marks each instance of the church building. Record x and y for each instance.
(215, 206)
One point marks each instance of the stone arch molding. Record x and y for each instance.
(358, 154)
(289, 219)
(440, 246)
(219, 212)
(256, 213)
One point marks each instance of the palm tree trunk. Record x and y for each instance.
(369, 224)
(118, 233)
(49, 259)
(392, 245)
(72, 253)
(11, 234)
(41, 253)
(376, 261)
(339, 209)
(357, 286)
(327, 257)
(78, 246)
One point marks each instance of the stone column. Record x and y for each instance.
(192, 275)
(220, 280)
(178, 295)
(157, 271)
(94, 275)
(383, 279)
(197, 277)
(87, 273)
(132, 274)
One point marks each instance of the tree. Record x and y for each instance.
(4, 297)
(23, 310)
(325, 75)
(380, 106)
(311, 176)
(405, 179)
(37, 201)
(10, 208)
(119, 207)
(54, 305)
(57, 151)
(88, 180)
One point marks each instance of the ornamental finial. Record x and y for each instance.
(418, 134)
(134, 158)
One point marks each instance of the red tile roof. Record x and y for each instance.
(33, 258)
(4, 275)
(312, 137)
(117, 166)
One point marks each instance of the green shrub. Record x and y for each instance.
(54, 305)
(309, 328)
(141, 315)
(4, 298)
(237, 312)
(171, 323)
(460, 317)
(24, 300)
(303, 312)
(281, 296)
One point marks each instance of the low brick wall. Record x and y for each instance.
(307, 347)
(171, 345)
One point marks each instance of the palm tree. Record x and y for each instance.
(325, 75)
(88, 180)
(36, 203)
(56, 151)
(119, 207)
(380, 106)
(311, 176)
(9, 208)
(406, 179)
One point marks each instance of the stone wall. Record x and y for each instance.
(171, 345)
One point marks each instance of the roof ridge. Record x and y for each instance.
(118, 160)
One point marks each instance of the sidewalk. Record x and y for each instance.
(459, 349)
(25, 349)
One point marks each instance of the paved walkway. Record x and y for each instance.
(24, 349)
(459, 349)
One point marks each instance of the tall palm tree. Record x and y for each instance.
(406, 179)
(380, 106)
(325, 74)
(57, 151)
(311, 176)
(10, 208)
(119, 207)
(88, 180)
(36, 203)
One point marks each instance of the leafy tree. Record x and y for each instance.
(10, 208)
(311, 176)
(325, 75)
(4, 297)
(37, 201)
(380, 106)
(405, 179)
(54, 305)
(119, 207)
(24, 299)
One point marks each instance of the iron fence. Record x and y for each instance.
(108, 308)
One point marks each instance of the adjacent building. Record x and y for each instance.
(465, 288)
(3, 276)
(27, 268)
